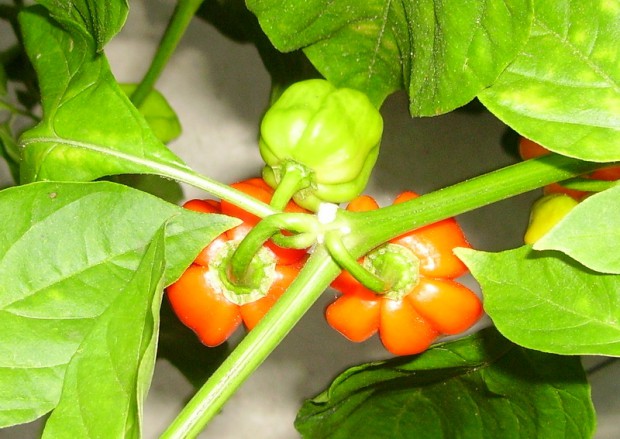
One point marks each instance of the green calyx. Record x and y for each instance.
(397, 266)
(334, 132)
(255, 281)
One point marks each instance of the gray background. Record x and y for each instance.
(219, 90)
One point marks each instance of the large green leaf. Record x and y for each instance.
(90, 128)
(478, 387)
(107, 379)
(549, 302)
(563, 89)
(590, 233)
(96, 19)
(442, 52)
(66, 251)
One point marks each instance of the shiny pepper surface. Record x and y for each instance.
(200, 298)
(546, 212)
(332, 132)
(435, 305)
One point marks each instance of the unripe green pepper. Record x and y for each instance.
(546, 212)
(332, 133)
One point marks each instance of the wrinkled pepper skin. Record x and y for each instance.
(199, 301)
(333, 132)
(435, 306)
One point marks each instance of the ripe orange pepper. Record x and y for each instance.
(436, 305)
(199, 302)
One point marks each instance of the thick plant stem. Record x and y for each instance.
(389, 222)
(181, 17)
(316, 275)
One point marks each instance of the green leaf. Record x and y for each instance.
(563, 89)
(158, 114)
(443, 53)
(549, 302)
(66, 251)
(107, 379)
(478, 387)
(90, 128)
(99, 20)
(590, 233)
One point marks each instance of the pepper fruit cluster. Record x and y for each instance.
(425, 303)
(206, 300)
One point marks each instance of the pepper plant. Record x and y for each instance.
(86, 255)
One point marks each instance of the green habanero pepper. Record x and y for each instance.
(328, 136)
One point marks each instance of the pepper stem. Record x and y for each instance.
(292, 177)
(302, 223)
(588, 185)
(345, 260)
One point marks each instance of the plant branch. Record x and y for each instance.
(316, 275)
(219, 190)
(389, 222)
(181, 17)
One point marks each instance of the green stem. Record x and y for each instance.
(175, 170)
(265, 229)
(255, 347)
(346, 261)
(294, 177)
(588, 185)
(397, 266)
(219, 190)
(301, 240)
(181, 17)
(389, 222)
